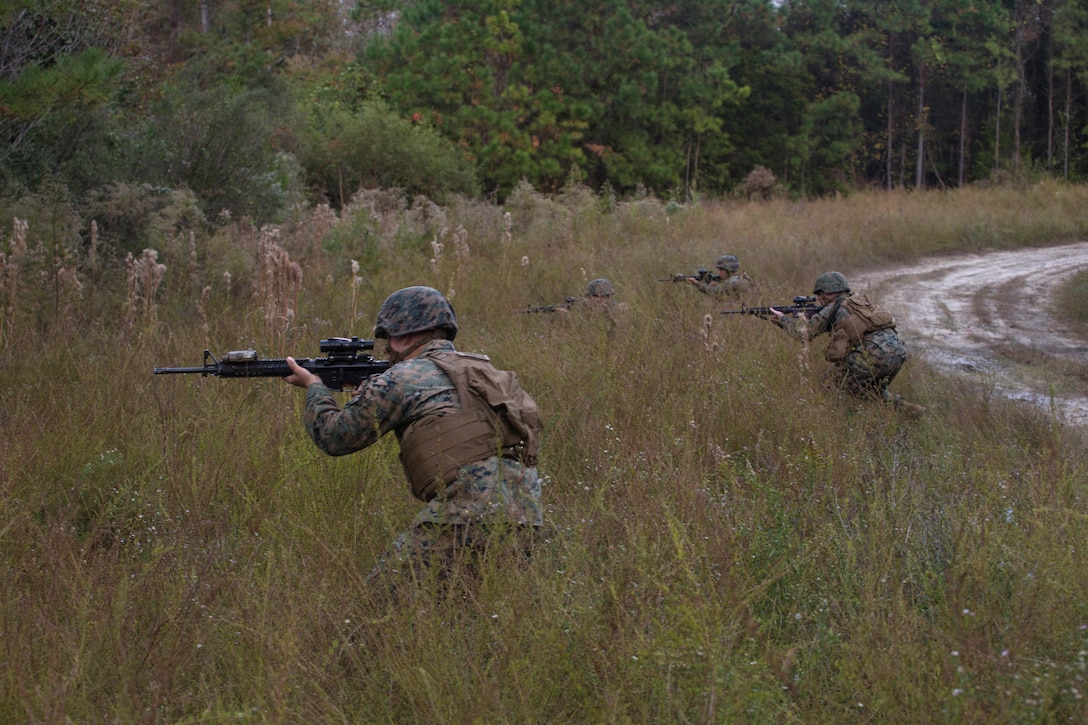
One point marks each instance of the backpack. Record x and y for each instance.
(864, 317)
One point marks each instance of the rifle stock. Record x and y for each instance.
(345, 367)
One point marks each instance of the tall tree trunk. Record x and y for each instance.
(1050, 96)
(687, 174)
(903, 162)
(695, 170)
(888, 163)
(963, 137)
(919, 163)
(997, 129)
(1068, 114)
(1019, 90)
(891, 106)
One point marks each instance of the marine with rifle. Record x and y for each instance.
(726, 279)
(469, 436)
(600, 295)
(865, 351)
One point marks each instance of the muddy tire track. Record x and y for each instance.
(986, 317)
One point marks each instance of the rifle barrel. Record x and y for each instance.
(167, 371)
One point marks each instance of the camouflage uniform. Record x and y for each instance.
(729, 281)
(600, 295)
(735, 285)
(869, 366)
(485, 495)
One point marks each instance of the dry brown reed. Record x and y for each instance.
(318, 223)
(356, 281)
(67, 291)
(462, 254)
(708, 324)
(195, 273)
(279, 283)
(144, 276)
(92, 246)
(11, 267)
(392, 216)
(202, 312)
(55, 298)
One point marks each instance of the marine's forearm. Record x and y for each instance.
(335, 431)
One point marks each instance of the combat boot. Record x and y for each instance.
(911, 410)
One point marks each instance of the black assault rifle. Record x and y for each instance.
(551, 308)
(807, 306)
(703, 275)
(345, 367)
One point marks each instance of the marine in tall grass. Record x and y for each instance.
(600, 295)
(729, 281)
(865, 351)
(468, 433)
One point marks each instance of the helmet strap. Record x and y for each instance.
(423, 338)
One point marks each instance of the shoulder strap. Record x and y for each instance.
(874, 317)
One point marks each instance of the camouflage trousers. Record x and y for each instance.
(870, 368)
(440, 550)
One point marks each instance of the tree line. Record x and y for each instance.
(249, 106)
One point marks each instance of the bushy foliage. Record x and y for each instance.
(222, 146)
(368, 146)
(759, 183)
(56, 121)
(133, 217)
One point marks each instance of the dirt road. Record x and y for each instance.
(985, 317)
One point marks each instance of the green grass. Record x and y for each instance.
(1072, 300)
(728, 543)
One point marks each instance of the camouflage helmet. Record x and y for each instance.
(415, 309)
(830, 283)
(600, 288)
(728, 262)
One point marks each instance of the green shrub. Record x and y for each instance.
(347, 150)
(224, 146)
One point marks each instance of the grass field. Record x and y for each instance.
(728, 542)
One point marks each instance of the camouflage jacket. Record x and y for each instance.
(735, 284)
(872, 337)
(489, 489)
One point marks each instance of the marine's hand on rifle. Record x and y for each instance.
(300, 376)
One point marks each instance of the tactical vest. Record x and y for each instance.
(496, 417)
(863, 319)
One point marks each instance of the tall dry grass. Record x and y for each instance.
(727, 542)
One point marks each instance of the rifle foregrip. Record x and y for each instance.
(273, 368)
